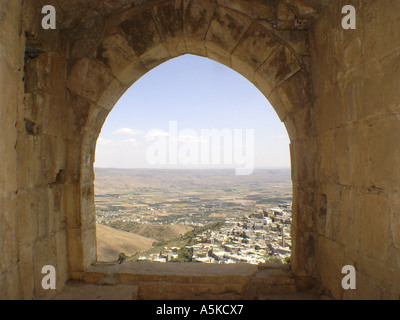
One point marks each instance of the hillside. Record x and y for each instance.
(181, 241)
(111, 242)
(160, 232)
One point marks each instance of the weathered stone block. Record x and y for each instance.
(296, 39)
(374, 225)
(61, 258)
(75, 250)
(169, 16)
(302, 171)
(337, 212)
(89, 79)
(279, 66)
(112, 94)
(116, 53)
(383, 156)
(46, 72)
(332, 113)
(71, 198)
(330, 263)
(26, 273)
(181, 291)
(380, 31)
(143, 36)
(45, 212)
(394, 201)
(256, 45)
(299, 125)
(224, 33)
(79, 291)
(8, 158)
(257, 9)
(389, 89)
(8, 229)
(88, 209)
(26, 219)
(197, 18)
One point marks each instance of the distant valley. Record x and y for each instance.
(163, 205)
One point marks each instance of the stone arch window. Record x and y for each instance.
(335, 90)
(206, 92)
(127, 43)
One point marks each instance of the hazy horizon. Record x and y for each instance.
(194, 168)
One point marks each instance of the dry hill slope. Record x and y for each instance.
(111, 242)
(160, 232)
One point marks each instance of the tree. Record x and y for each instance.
(274, 260)
(287, 260)
(122, 257)
(184, 255)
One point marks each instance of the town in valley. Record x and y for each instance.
(204, 216)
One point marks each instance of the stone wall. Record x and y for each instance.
(356, 77)
(35, 152)
(337, 92)
(11, 96)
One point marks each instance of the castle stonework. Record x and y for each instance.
(336, 90)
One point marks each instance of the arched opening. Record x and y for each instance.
(226, 196)
(72, 77)
(137, 40)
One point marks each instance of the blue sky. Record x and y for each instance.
(194, 93)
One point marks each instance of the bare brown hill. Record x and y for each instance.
(160, 232)
(111, 242)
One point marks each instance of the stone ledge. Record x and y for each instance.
(132, 272)
(191, 281)
(83, 291)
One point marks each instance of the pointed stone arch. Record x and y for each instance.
(345, 187)
(76, 74)
(135, 40)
